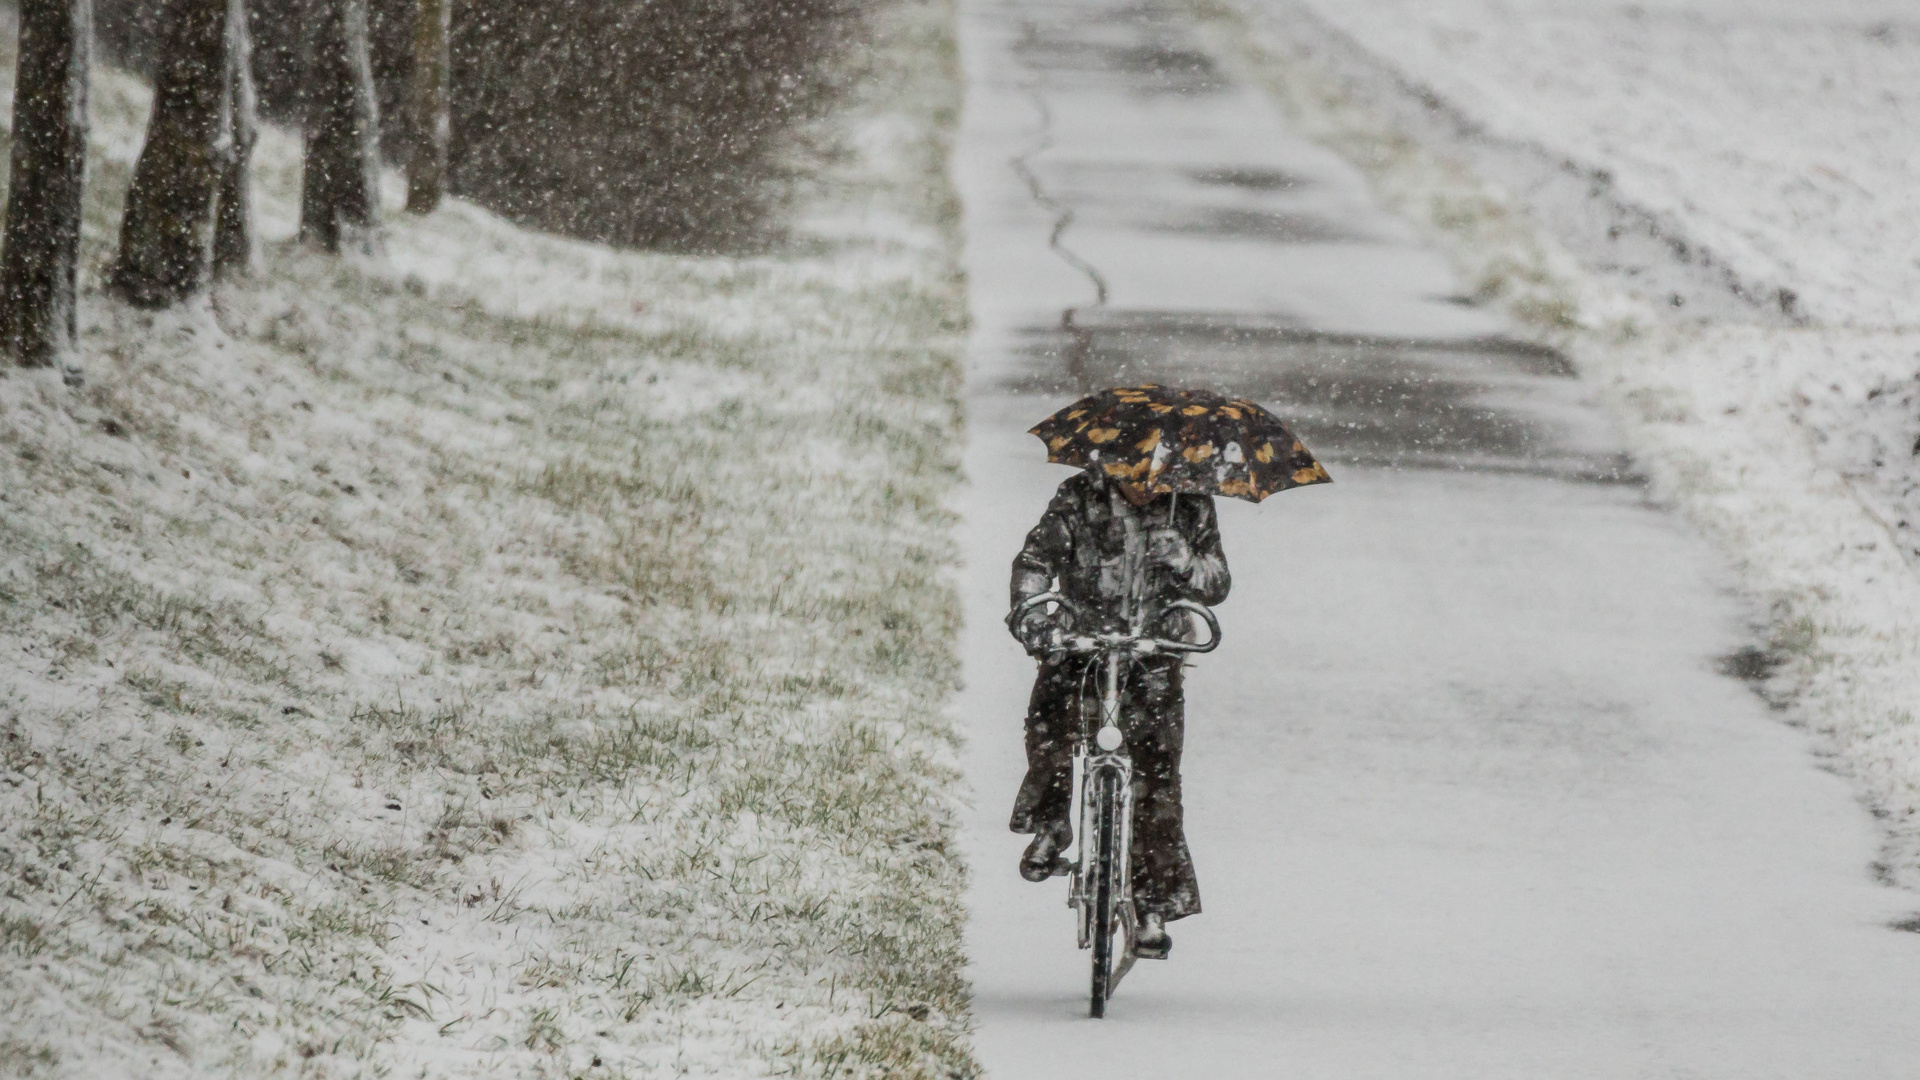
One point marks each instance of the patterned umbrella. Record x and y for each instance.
(1192, 441)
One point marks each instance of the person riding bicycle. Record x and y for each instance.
(1114, 550)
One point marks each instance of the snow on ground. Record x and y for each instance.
(509, 657)
(1771, 137)
(1715, 209)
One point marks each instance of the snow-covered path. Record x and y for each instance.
(1467, 794)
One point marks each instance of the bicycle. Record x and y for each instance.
(1101, 891)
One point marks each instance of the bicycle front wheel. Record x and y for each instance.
(1104, 859)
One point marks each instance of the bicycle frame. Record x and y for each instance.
(1100, 770)
(1101, 892)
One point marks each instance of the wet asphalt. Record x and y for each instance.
(1420, 388)
(1468, 793)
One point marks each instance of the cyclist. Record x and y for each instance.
(1112, 548)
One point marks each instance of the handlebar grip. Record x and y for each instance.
(1020, 610)
(1206, 616)
(1032, 603)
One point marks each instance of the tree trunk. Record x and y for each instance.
(39, 262)
(166, 236)
(340, 192)
(236, 250)
(427, 180)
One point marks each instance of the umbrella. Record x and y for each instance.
(1181, 441)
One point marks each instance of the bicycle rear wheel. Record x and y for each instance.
(1103, 791)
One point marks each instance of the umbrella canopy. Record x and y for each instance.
(1183, 441)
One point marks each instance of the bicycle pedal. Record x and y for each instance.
(1154, 952)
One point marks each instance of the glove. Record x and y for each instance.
(1038, 635)
(1168, 548)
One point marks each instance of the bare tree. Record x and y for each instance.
(340, 192)
(40, 260)
(236, 250)
(166, 236)
(433, 129)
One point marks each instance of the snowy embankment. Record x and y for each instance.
(1715, 208)
(509, 657)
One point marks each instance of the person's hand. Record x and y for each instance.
(1168, 548)
(1039, 636)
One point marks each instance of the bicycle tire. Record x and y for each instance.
(1101, 896)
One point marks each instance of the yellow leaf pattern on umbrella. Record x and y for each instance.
(1175, 440)
(1240, 489)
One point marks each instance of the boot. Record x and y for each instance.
(1042, 859)
(1151, 940)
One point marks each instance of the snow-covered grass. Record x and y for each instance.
(507, 657)
(1759, 148)
(1767, 139)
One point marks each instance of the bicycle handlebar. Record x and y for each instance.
(1091, 643)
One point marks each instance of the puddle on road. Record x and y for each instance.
(1230, 203)
(1141, 47)
(1264, 225)
(1261, 180)
(1491, 405)
(1148, 69)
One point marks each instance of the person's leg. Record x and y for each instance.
(1045, 800)
(1163, 878)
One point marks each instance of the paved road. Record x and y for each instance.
(1467, 792)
